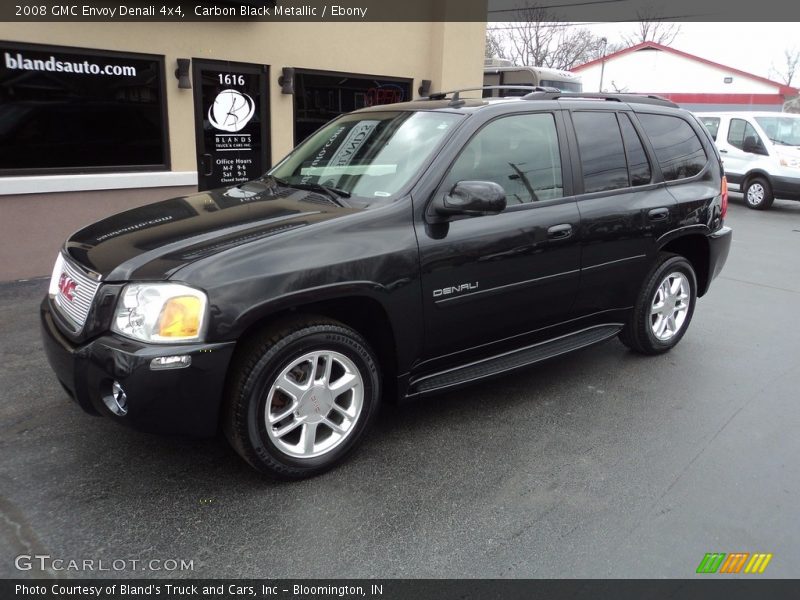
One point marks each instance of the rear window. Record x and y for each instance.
(678, 149)
(564, 86)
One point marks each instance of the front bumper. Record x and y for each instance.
(719, 246)
(183, 401)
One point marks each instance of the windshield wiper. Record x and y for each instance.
(331, 192)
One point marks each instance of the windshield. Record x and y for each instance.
(781, 130)
(370, 155)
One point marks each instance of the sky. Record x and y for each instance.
(751, 47)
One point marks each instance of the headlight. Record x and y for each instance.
(790, 162)
(58, 268)
(161, 312)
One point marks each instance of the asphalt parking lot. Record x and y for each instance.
(598, 464)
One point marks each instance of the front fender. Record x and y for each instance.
(297, 299)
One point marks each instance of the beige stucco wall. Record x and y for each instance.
(450, 54)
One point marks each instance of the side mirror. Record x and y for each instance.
(471, 198)
(753, 146)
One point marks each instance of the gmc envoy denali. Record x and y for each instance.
(400, 251)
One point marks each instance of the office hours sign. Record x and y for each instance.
(231, 116)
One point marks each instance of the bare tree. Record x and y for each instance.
(536, 39)
(791, 66)
(530, 38)
(653, 29)
(494, 45)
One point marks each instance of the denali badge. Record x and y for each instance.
(456, 289)
(67, 287)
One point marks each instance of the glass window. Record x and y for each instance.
(712, 125)
(520, 153)
(602, 152)
(564, 86)
(66, 108)
(519, 77)
(782, 130)
(638, 165)
(738, 131)
(370, 155)
(678, 149)
(321, 96)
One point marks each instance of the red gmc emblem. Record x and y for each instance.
(67, 286)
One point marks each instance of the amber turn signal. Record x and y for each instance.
(180, 317)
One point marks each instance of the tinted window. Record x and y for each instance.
(602, 153)
(712, 125)
(68, 108)
(638, 165)
(520, 153)
(738, 131)
(678, 149)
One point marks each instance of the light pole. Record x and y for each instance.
(603, 63)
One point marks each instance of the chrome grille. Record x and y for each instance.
(77, 309)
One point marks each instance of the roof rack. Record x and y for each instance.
(633, 98)
(538, 92)
(457, 100)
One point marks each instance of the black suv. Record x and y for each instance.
(400, 251)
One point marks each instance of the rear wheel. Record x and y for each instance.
(301, 396)
(758, 194)
(663, 308)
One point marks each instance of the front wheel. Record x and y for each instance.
(758, 194)
(300, 397)
(663, 308)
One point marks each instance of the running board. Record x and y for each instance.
(514, 359)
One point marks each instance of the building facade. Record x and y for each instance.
(96, 118)
(691, 81)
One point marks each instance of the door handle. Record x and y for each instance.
(208, 164)
(559, 232)
(723, 151)
(658, 214)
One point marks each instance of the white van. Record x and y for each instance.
(760, 151)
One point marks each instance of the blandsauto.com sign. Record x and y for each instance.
(53, 64)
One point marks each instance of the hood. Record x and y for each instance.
(154, 241)
(788, 151)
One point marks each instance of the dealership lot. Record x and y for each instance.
(598, 464)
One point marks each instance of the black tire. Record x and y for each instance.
(758, 193)
(638, 334)
(256, 367)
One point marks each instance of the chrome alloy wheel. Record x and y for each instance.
(314, 404)
(755, 194)
(670, 306)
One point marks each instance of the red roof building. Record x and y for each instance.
(691, 81)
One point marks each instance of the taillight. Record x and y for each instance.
(723, 190)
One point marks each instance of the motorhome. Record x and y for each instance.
(498, 73)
